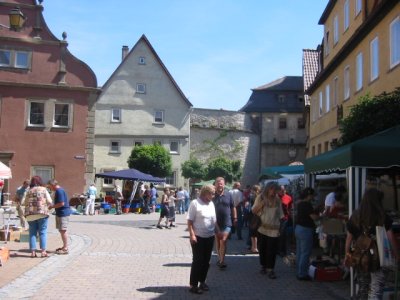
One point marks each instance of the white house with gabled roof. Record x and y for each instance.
(141, 104)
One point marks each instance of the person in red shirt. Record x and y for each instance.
(286, 230)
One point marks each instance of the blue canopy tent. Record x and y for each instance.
(132, 175)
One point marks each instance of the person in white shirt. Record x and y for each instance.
(91, 198)
(180, 195)
(202, 226)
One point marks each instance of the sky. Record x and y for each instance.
(216, 50)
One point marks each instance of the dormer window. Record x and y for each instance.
(281, 99)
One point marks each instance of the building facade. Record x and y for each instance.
(360, 55)
(141, 104)
(277, 113)
(47, 99)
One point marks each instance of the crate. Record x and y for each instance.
(13, 235)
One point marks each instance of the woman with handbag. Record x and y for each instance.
(252, 237)
(304, 232)
(364, 220)
(269, 207)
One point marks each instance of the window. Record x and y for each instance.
(327, 98)
(141, 88)
(300, 123)
(335, 30)
(115, 147)
(326, 146)
(321, 104)
(108, 181)
(281, 99)
(313, 151)
(61, 115)
(36, 114)
(115, 115)
(374, 48)
(395, 42)
(45, 172)
(282, 123)
(159, 116)
(346, 15)
(319, 149)
(174, 147)
(15, 58)
(359, 71)
(170, 180)
(326, 48)
(142, 60)
(346, 83)
(138, 143)
(358, 7)
(335, 91)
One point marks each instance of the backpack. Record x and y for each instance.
(364, 255)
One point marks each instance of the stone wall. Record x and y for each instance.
(229, 132)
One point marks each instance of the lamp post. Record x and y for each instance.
(16, 19)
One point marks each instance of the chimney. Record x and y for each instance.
(125, 50)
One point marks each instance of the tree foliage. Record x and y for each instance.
(193, 169)
(151, 159)
(221, 166)
(370, 115)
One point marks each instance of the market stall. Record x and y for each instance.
(133, 176)
(373, 160)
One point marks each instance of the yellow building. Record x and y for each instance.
(360, 55)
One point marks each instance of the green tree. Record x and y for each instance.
(370, 115)
(193, 169)
(151, 159)
(221, 166)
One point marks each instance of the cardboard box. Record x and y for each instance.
(13, 235)
(4, 255)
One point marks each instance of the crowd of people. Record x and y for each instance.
(215, 215)
(35, 204)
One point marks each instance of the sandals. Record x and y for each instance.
(44, 254)
(33, 254)
(62, 251)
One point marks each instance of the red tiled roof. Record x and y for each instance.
(310, 69)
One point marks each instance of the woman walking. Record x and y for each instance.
(269, 207)
(202, 225)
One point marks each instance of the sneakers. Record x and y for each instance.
(159, 227)
(204, 287)
(221, 265)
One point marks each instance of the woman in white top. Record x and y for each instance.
(268, 206)
(202, 225)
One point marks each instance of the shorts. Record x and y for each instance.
(62, 222)
(226, 229)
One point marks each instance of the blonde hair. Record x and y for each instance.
(208, 188)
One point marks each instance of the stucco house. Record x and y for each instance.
(277, 109)
(47, 99)
(141, 104)
(360, 55)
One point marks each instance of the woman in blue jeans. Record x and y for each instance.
(304, 232)
(37, 201)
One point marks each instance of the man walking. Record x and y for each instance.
(61, 205)
(118, 197)
(225, 212)
(237, 197)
